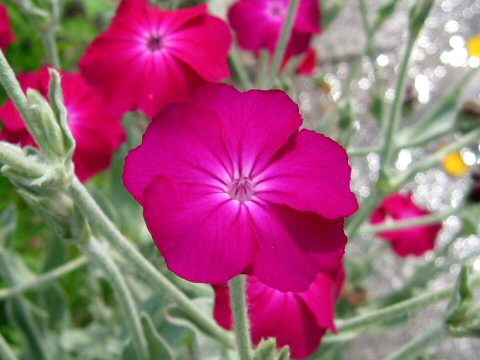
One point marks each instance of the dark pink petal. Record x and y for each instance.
(319, 167)
(414, 241)
(322, 296)
(21, 137)
(131, 73)
(203, 234)
(93, 153)
(307, 67)
(293, 246)
(299, 43)
(202, 45)
(222, 311)
(308, 17)
(164, 80)
(283, 316)
(97, 133)
(6, 31)
(256, 123)
(183, 143)
(252, 26)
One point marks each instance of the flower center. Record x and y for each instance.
(155, 43)
(278, 10)
(241, 189)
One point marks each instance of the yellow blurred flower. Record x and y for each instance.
(455, 165)
(474, 45)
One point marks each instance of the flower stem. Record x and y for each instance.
(264, 65)
(401, 308)
(5, 352)
(240, 70)
(367, 207)
(14, 90)
(414, 347)
(412, 222)
(396, 111)
(45, 278)
(432, 160)
(51, 48)
(284, 39)
(98, 253)
(238, 288)
(99, 221)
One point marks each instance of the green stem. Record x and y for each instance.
(264, 65)
(240, 69)
(14, 90)
(51, 48)
(98, 253)
(363, 151)
(396, 111)
(45, 278)
(175, 4)
(434, 218)
(418, 345)
(436, 158)
(238, 288)
(99, 221)
(367, 207)
(284, 39)
(401, 308)
(5, 352)
(13, 156)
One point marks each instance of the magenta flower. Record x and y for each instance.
(6, 31)
(413, 241)
(297, 319)
(97, 133)
(150, 56)
(229, 185)
(258, 24)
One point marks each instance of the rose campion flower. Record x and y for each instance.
(297, 319)
(258, 24)
(412, 241)
(6, 31)
(150, 56)
(229, 185)
(97, 133)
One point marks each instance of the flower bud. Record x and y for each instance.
(48, 133)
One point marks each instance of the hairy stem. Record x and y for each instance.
(98, 253)
(401, 308)
(238, 288)
(434, 218)
(419, 344)
(45, 278)
(6, 352)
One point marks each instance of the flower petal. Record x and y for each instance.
(308, 17)
(319, 167)
(294, 246)
(203, 45)
(256, 123)
(253, 28)
(203, 234)
(322, 296)
(184, 143)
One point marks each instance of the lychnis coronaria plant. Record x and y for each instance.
(172, 185)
